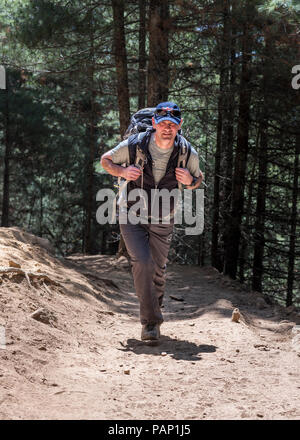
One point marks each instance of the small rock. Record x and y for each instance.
(262, 347)
(126, 371)
(259, 415)
(14, 264)
(43, 315)
(163, 353)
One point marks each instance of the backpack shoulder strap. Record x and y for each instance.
(137, 145)
(184, 152)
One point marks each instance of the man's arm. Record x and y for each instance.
(128, 173)
(197, 183)
(110, 167)
(185, 177)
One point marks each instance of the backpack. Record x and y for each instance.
(140, 123)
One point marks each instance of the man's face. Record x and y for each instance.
(166, 130)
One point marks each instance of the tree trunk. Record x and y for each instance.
(158, 75)
(103, 241)
(224, 69)
(247, 227)
(41, 213)
(202, 237)
(259, 227)
(6, 171)
(142, 55)
(121, 64)
(92, 144)
(229, 133)
(292, 253)
(122, 75)
(234, 233)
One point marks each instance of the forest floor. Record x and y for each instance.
(80, 356)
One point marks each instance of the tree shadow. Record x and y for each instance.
(174, 348)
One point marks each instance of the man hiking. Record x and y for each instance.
(148, 243)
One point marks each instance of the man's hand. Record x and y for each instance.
(131, 173)
(183, 176)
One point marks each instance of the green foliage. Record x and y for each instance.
(38, 21)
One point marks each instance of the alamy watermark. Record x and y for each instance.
(2, 337)
(2, 78)
(182, 207)
(296, 79)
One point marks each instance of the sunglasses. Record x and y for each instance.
(162, 112)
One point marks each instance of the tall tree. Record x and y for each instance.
(229, 125)
(293, 231)
(7, 157)
(158, 73)
(259, 227)
(120, 55)
(142, 55)
(221, 139)
(91, 135)
(234, 233)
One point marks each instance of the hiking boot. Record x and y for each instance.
(150, 332)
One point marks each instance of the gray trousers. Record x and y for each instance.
(148, 246)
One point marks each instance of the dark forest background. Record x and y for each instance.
(77, 70)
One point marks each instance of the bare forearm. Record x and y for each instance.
(112, 168)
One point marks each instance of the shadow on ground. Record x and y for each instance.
(174, 348)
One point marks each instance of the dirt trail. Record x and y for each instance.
(86, 360)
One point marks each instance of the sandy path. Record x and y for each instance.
(91, 364)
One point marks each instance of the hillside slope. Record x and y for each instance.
(73, 348)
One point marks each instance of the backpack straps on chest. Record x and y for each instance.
(184, 154)
(137, 146)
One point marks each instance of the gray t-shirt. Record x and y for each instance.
(160, 157)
